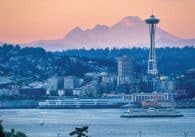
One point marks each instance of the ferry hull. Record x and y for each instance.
(78, 107)
(81, 103)
(149, 116)
(151, 113)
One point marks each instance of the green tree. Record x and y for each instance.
(12, 133)
(15, 134)
(20, 134)
(2, 134)
(80, 132)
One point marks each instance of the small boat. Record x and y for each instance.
(41, 124)
(150, 113)
(127, 105)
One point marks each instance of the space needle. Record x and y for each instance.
(152, 65)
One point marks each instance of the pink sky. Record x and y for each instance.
(31, 20)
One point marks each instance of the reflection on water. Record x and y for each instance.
(101, 122)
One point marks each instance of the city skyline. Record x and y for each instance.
(28, 21)
(122, 67)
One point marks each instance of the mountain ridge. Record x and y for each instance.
(130, 31)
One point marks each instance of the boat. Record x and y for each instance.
(41, 124)
(131, 105)
(81, 103)
(151, 112)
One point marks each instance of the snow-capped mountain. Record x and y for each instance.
(131, 31)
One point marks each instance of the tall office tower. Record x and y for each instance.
(125, 70)
(152, 65)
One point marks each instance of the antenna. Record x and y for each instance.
(152, 12)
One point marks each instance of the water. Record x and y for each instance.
(101, 122)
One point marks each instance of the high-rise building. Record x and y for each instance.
(125, 70)
(52, 84)
(71, 82)
(125, 66)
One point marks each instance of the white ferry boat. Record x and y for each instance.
(151, 112)
(82, 103)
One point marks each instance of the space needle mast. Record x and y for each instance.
(152, 65)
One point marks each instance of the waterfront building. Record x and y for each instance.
(32, 91)
(185, 84)
(166, 84)
(90, 89)
(52, 93)
(190, 82)
(139, 97)
(61, 92)
(68, 92)
(78, 92)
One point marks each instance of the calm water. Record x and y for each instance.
(101, 122)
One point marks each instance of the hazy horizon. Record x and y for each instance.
(31, 20)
